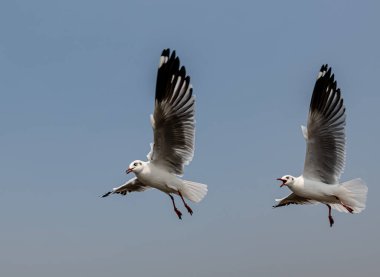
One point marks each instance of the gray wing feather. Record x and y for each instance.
(132, 185)
(293, 199)
(173, 120)
(325, 133)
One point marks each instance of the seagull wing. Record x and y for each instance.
(293, 199)
(132, 185)
(173, 118)
(325, 133)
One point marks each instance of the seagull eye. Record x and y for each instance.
(135, 164)
(287, 178)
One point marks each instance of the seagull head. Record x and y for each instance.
(135, 167)
(286, 180)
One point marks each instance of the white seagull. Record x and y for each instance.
(325, 155)
(173, 123)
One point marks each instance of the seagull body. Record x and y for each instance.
(159, 178)
(173, 123)
(325, 155)
(313, 189)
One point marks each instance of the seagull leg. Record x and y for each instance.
(331, 220)
(179, 214)
(187, 206)
(349, 209)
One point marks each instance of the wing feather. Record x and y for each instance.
(174, 116)
(325, 133)
(132, 185)
(293, 199)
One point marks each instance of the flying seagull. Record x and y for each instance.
(325, 155)
(173, 123)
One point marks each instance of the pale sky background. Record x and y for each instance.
(77, 82)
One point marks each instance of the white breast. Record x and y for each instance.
(315, 190)
(158, 178)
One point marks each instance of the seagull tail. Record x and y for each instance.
(194, 191)
(353, 193)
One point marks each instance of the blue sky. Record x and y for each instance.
(77, 86)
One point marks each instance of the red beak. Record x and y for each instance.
(129, 170)
(283, 182)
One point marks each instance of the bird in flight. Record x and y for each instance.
(173, 123)
(325, 155)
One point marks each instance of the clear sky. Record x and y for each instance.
(77, 82)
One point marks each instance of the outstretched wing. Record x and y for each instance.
(325, 133)
(173, 118)
(132, 185)
(293, 199)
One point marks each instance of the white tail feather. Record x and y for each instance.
(194, 191)
(353, 193)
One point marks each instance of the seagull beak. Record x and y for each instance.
(283, 182)
(129, 170)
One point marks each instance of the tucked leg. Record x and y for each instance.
(179, 214)
(187, 206)
(331, 220)
(349, 209)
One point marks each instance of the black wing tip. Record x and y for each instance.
(325, 72)
(106, 194)
(285, 204)
(173, 56)
(170, 57)
(169, 60)
(280, 205)
(165, 52)
(164, 58)
(324, 68)
(124, 192)
(326, 96)
(169, 70)
(327, 78)
(182, 72)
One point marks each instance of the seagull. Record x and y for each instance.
(325, 155)
(173, 123)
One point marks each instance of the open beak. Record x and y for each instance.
(283, 182)
(129, 170)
